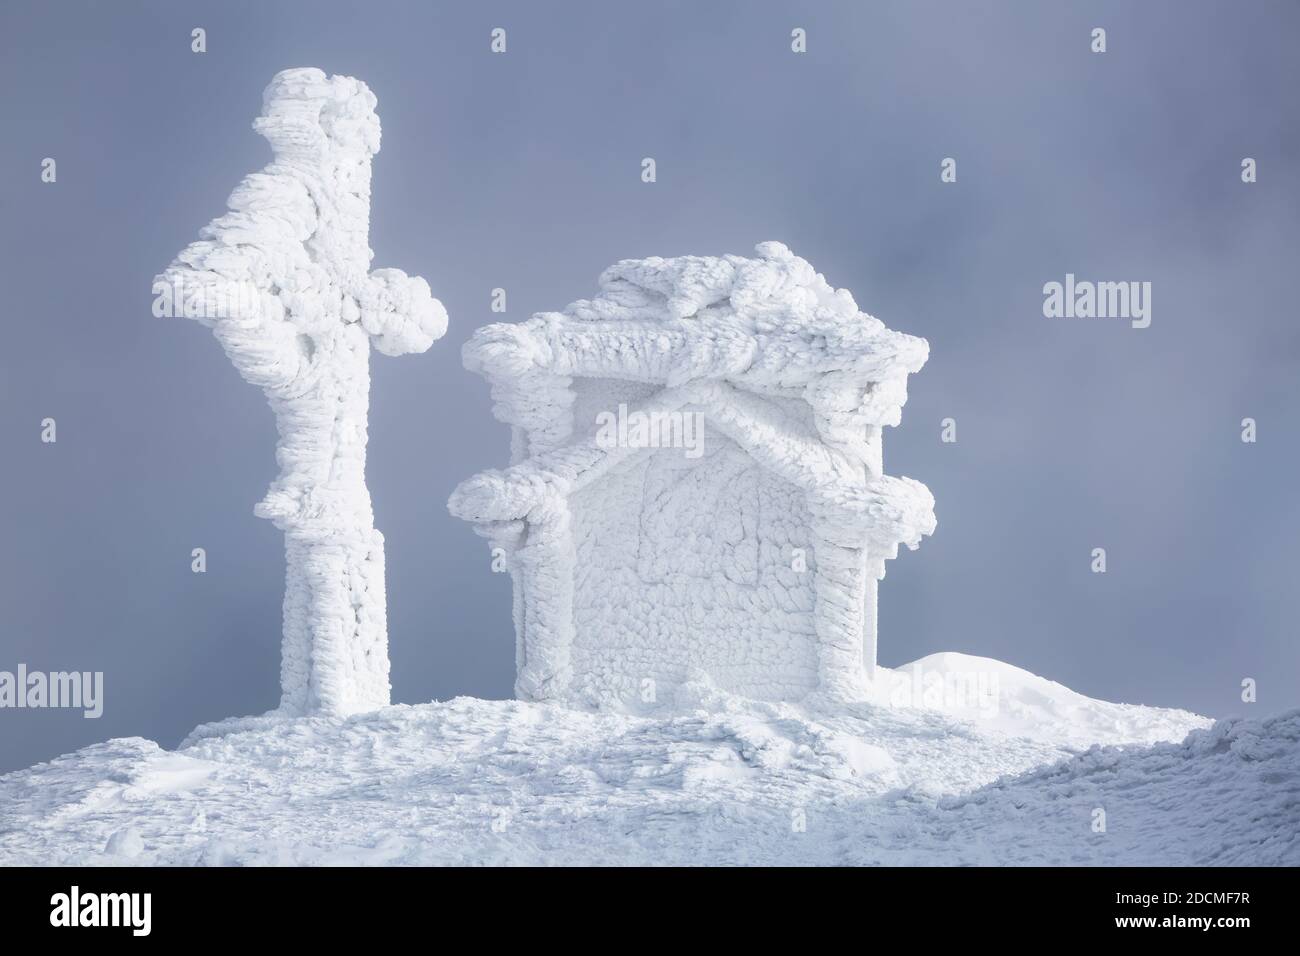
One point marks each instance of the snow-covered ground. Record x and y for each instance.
(936, 774)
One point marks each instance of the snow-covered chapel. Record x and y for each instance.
(696, 490)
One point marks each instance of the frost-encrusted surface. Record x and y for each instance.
(756, 559)
(283, 280)
(723, 781)
(723, 520)
(771, 322)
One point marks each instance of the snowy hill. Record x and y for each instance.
(1028, 705)
(725, 780)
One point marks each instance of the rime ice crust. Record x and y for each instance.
(293, 252)
(795, 384)
(480, 782)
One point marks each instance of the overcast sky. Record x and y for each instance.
(522, 171)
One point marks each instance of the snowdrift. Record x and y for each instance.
(726, 781)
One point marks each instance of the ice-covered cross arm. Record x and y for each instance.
(399, 313)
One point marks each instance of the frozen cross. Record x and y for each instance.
(283, 280)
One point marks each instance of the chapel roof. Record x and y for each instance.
(717, 332)
(765, 322)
